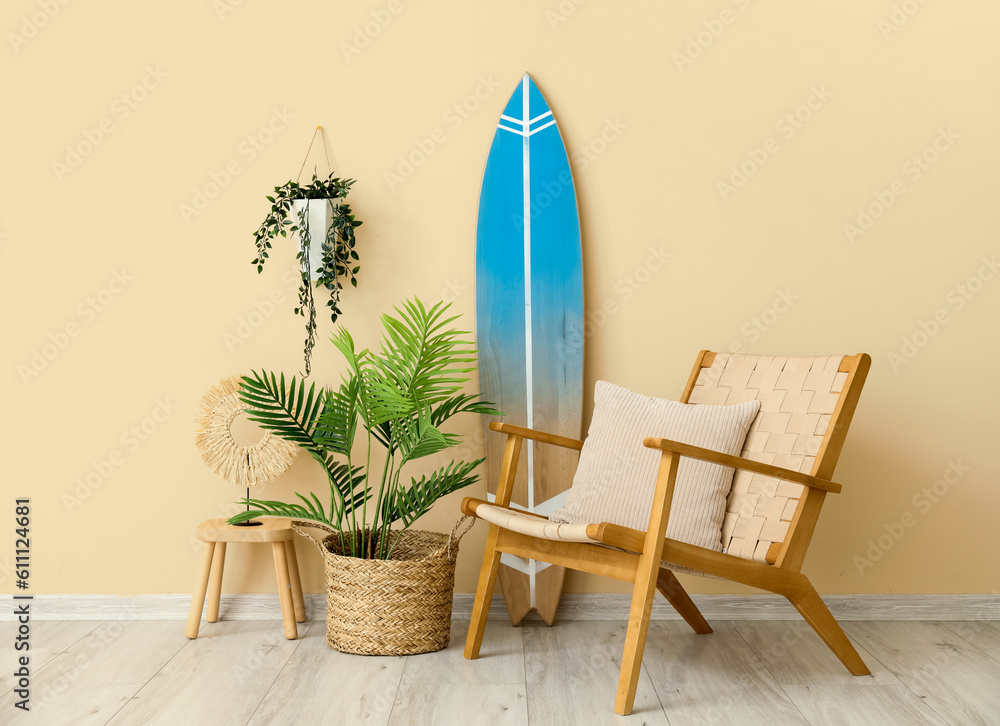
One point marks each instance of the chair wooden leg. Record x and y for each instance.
(298, 602)
(284, 589)
(677, 596)
(646, 573)
(635, 637)
(484, 593)
(198, 599)
(811, 606)
(215, 583)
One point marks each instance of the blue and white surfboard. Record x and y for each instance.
(529, 320)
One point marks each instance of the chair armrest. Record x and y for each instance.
(545, 438)
(697, 452)
(471, 504)
(615, 535)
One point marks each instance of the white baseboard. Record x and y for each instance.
(587, 606)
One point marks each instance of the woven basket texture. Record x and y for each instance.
(398, 606)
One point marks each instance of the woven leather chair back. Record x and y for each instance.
(798, 397)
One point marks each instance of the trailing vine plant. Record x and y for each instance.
(339, 256)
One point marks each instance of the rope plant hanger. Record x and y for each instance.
(245, 466)
(331, 262)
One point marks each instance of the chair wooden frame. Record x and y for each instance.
(639, 555)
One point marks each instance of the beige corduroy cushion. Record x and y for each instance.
(616, 475)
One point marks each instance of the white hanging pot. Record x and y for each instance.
(318, 219)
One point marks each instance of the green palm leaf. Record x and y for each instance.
(462, 403)
(418, 437)
(289, 412)
(422, 358)
(415, 501)
(401, 397)
(338, 422)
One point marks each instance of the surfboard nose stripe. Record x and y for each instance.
(520, 122)
(530, 133)
(541, 128)
(526, 127)
(540, 117)
(513, 131)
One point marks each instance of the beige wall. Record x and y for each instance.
(153, 295)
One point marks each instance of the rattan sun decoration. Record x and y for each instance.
(245, 466)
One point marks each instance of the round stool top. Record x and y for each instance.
(273, 529)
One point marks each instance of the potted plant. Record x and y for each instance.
(325, 229)
(389, 590)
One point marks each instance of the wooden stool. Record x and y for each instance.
(217, 534)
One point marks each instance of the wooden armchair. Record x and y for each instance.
(781, 480)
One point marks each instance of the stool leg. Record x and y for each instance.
(198, 599)
(284, 590)
(298, 601)
(215, 583)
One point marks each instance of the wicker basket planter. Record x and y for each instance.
(398, 606)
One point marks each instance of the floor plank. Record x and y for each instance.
(311, 687)
(571, 671)
(92, 679)
(91, 706)
(758, 673)
(853, 706)
(218, 678)
(796, 656)
(954, 678)
(501, 658)
(48, 639)
(985, 635)
(714, 678)
(461, 703)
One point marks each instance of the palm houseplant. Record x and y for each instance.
(389, 589)
(324, 226)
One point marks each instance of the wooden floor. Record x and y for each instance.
(749, 672)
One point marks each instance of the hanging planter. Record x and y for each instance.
(323, 224)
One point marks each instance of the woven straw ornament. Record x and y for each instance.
(245, 466)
